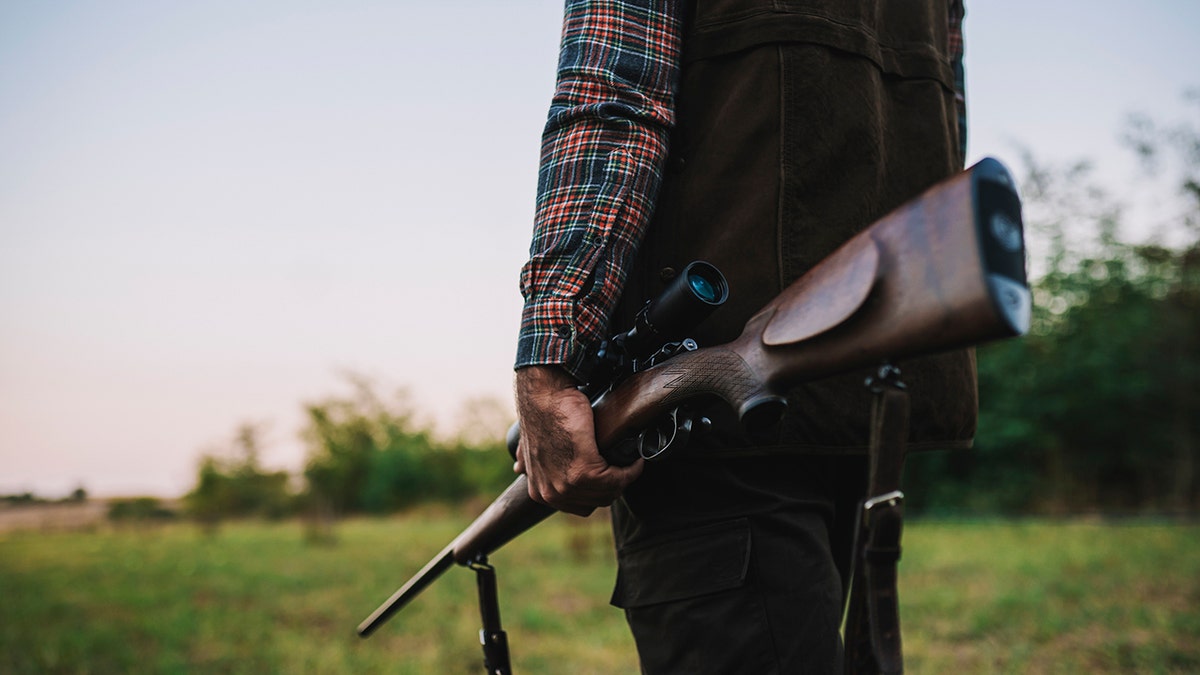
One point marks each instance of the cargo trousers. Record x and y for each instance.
(738, 565)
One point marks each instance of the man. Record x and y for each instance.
(757, 135)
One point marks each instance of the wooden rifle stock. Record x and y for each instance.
(944, 271)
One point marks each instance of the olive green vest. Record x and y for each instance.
(799, 123)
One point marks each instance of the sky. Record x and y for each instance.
(211, 213)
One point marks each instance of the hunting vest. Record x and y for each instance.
(799, 123)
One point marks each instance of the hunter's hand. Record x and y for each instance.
(558, 450)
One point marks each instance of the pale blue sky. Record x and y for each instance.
(210, 210)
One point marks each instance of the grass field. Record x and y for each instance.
(977, 597)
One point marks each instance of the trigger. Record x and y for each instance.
(671, 434)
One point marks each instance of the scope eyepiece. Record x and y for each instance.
(703, 287)
(684, 303)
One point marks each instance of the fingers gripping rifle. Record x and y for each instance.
(944, 271)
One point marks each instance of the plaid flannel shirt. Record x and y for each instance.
(603, 150)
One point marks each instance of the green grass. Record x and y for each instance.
(1043, 597)
(983, 597)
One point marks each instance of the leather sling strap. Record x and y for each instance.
(872, 624)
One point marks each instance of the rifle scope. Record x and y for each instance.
(683, 304)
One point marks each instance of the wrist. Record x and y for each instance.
(543, 378)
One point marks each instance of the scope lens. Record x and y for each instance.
(703, 288)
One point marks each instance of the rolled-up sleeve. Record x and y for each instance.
(603, 149)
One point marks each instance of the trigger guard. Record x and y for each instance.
(663, 445)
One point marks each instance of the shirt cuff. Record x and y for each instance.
(548, 337)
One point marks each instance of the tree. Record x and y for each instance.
(233, 484)
(368, 454)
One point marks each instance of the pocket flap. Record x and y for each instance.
(688, 564)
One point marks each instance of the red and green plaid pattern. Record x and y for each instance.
(602, 154)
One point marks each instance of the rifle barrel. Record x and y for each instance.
(512, 513)
(410, 590)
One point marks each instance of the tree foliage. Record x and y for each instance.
(234, 484)
(367, 454)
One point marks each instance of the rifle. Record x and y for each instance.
(944, 271)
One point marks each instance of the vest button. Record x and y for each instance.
(666, 274)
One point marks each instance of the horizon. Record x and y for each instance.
(209, 214)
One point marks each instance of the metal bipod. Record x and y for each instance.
(492, 637)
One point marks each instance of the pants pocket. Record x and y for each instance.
(688, 605)
(684, 565)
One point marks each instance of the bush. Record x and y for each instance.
(139, 509)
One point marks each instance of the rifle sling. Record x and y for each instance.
(872, 628)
